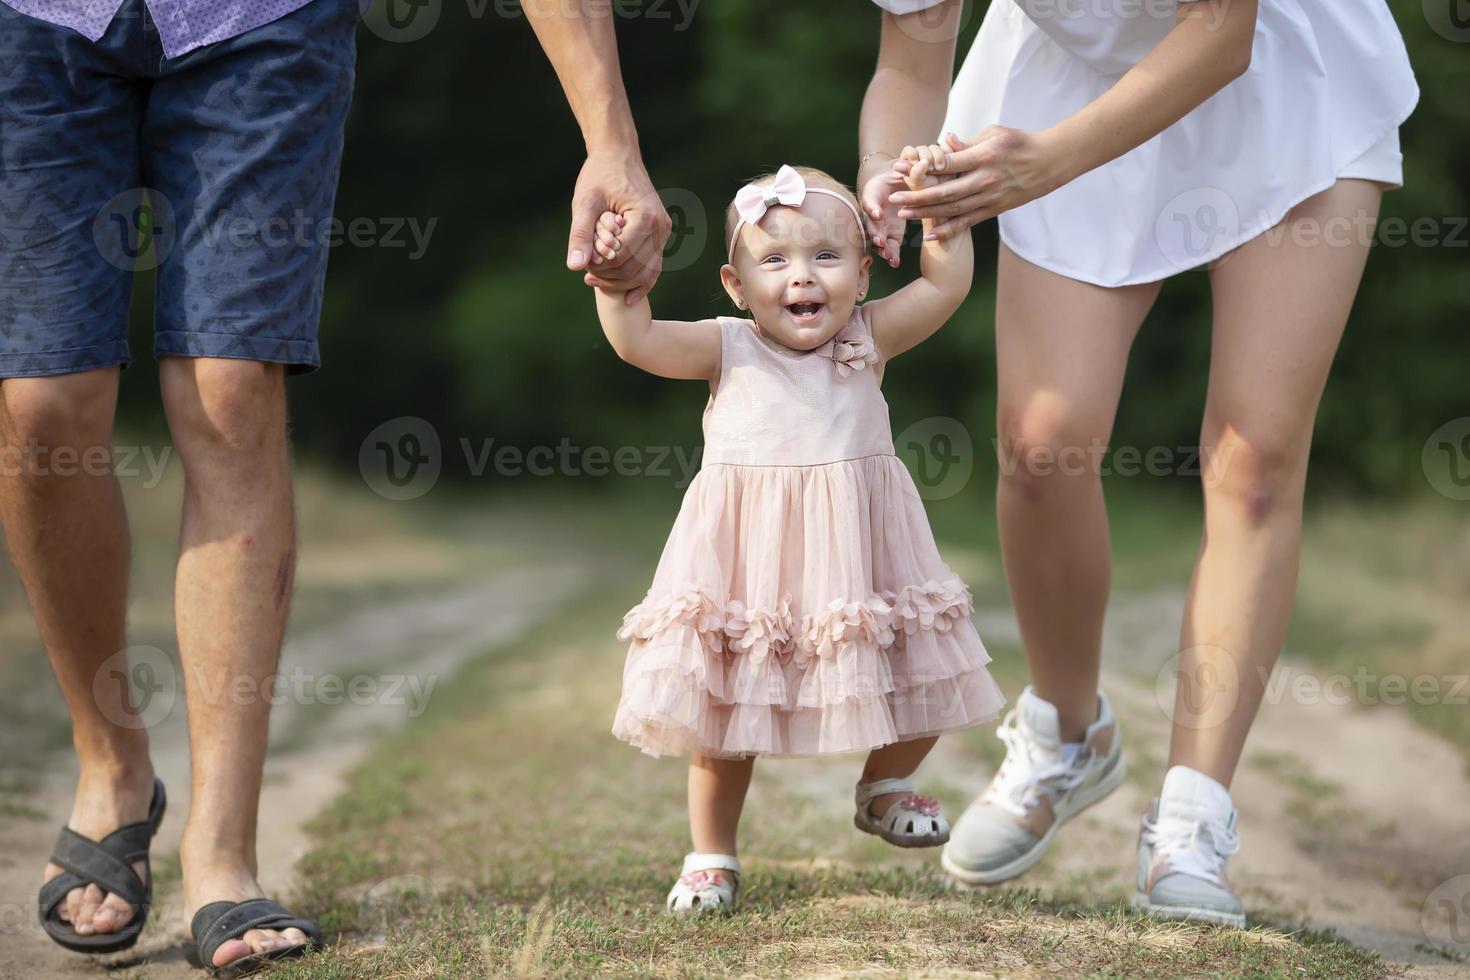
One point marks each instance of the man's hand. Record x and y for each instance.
(618, 184)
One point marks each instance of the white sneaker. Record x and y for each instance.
(1187, 835)
(1040, 786)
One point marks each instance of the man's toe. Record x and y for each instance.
(92, 897)
(113, 914)
(231, 950)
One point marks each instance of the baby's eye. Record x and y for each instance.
(771, 258)
(827, 253)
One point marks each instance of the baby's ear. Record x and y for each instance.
(730, 279)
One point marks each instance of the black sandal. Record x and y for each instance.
(108, 864)
(218, 922)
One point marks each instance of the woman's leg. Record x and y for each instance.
(1280, 304)
(1062, 349)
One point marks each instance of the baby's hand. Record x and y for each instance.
(609, 225)
(925, 165)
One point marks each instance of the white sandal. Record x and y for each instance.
(914, 821)
(698, 892)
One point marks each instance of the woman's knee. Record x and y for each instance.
(1047, 441)
(1254, 474)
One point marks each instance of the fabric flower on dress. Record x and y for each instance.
(853, 352)
(842, 623)
(759, 632)
(692, 607)
(931, 606)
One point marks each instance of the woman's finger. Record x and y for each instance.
(912, 203)
(955, 226)
(949, 209)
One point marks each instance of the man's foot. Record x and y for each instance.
(1187, 835)
(1040, 786)
(103, 804)
(232, 884)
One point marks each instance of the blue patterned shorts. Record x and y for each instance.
(225, 159)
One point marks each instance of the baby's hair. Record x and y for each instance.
(811, 175)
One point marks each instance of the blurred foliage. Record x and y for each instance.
(488, 336)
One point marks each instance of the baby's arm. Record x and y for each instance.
(902, 320)
(668, 348)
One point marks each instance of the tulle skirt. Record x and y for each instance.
(798, 611)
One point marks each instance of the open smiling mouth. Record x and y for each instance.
(804, 312)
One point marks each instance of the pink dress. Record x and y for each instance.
(800, 607)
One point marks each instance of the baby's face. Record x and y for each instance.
(800, 271)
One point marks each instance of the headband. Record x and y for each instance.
(753, 200)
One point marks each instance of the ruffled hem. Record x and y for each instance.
(729, 680)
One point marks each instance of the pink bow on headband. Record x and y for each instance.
(786, 188)
(752, 202)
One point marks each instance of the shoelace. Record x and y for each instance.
(1019, 784)
(1194, 847)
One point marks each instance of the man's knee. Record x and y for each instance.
(63, 415)
(224, 413)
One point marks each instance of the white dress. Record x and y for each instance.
(1328, 85)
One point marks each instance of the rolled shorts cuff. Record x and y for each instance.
(299, 356)
(72, 360)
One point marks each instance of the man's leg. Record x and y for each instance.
(68, 537)
(236, 558)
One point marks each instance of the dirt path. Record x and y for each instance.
(1350, 817)
(404, 647)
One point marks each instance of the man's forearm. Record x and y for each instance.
(579, 39)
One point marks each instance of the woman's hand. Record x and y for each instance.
(998, 170)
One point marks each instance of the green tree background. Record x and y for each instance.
(488, 336)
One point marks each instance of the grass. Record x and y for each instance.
(506, 833)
